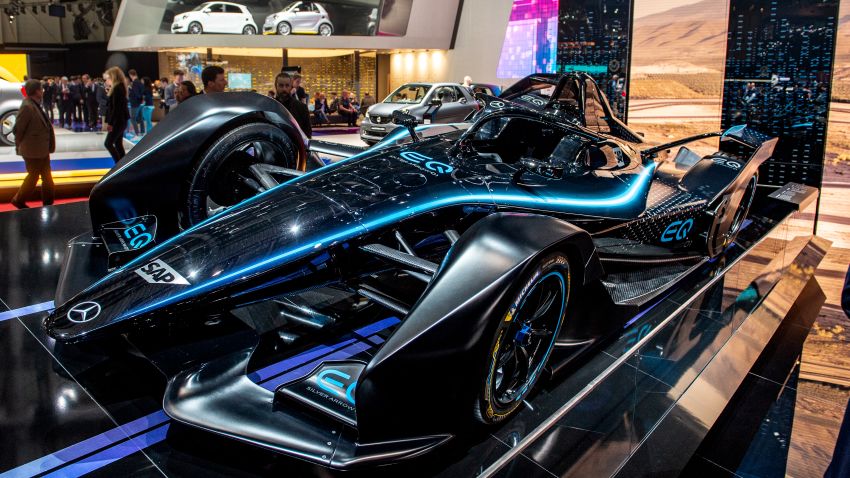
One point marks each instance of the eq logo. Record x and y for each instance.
(138, 236)
(677, 230)
(83, 312)
(335, 382)
(428, 163)
(158, 272)
(728, 163)
(533, 100)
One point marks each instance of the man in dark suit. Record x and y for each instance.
(49, 97)
(90, 98)
(77, 97)
(35, 141)
(285, 95)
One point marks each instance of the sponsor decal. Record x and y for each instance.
(731, 164)
(331, 381)
(84, 312)
(158, 272)
(677, 230)
(428, 163)
(533, 100)
(138, 236)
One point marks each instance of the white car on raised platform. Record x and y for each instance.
(10, 102)
(299, 17)
(216, 17)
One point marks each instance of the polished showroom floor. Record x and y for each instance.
(71, 411)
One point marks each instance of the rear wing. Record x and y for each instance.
(740, 140)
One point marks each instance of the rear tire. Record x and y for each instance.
(249, 30)
(524, 340)
(221, 176)
(325, 30)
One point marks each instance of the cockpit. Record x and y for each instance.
(510, 139)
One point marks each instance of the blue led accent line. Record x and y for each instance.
(111, 455)
(305, 369)
(624, 198)
(225, 215)
(30, 309)
(272, 370)
(86, 447)
(377, 327)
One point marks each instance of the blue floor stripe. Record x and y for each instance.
(30, 309)
(111, 455)
(63, 461)
(86, 447)
(77, 164)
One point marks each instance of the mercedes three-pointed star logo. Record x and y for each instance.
(84, 312)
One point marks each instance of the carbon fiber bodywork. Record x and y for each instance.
(426, 237)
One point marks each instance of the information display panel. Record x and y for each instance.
(594, 36)
(779, 60)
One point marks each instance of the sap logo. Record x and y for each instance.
(677, 230)
(84, 312)
(138, 236)
(336, 387)
(158, 272)
(429, 164)
(728, 163)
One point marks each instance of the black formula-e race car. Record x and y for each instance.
(356, 314)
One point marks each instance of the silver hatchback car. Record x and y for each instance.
(10, 102)
(299, 17)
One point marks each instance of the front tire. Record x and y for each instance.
(195, 28)
(524, 340)
(284, 28)
(7, 126)
(222, 176)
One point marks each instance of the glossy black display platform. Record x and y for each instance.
(673, 380)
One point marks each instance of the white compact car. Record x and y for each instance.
(299, 17)
(216, 17)
(10, 102)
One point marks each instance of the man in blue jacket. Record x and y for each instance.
(137, 99)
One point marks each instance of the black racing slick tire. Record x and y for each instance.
(524, 339)
(222, 175)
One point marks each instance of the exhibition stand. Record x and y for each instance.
(657, 399)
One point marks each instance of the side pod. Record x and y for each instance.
(424, 380)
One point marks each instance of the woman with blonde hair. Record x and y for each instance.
(117, 112)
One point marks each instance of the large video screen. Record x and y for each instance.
(276, 17)
(779, 61)
(593, 37)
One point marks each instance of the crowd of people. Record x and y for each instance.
(321, 108)
(122, 105)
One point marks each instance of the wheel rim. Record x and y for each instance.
(248, 30)
(283, 29)
(233, 181)
(746, 201)
(7, 127)
(529, 339)
(194, 28)
(325, 31)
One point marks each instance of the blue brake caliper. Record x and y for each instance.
(523, 335)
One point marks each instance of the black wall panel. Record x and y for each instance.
(779, 59)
